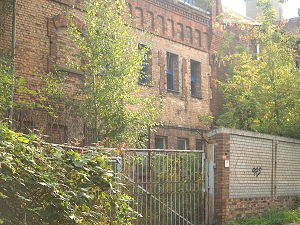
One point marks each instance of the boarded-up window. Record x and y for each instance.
(170, 28)
(205, 41)
(180, 31)
(188, 35)
(150, 21)
(128, 12)
(67, 51)
(160, 23)
(198, 38)
(138, 17)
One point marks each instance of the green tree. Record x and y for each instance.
(109, 100)
(262, 89)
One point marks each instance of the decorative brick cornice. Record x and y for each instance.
(183, 10)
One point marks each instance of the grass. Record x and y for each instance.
(273, 217)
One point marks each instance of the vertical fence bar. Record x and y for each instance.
(167, 185)
(175, 187)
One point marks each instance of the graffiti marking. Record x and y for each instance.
(257, 171)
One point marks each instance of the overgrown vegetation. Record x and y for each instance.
(262, 89)
(204, 4)
(46, 184)
(272, 217)
(5, 82)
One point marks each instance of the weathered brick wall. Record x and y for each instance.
(176, 28)
(187, 35)
(263, 173)
(172, 133)
(34, 51)
(5, 25)
(216, 40)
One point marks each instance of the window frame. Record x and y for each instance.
(199, 142)
(164, 141)
(186, 143)
(145, 75)
(170, 71)
(195, 75)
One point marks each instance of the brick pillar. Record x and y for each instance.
(222, 152)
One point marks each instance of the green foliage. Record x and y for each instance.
(45, 184)
(204, 4)
(262, 90)
(6, 85)
(108, 100)
(5, 81)
(273, 217)
(297, 201)
(206, 120)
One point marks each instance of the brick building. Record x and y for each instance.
(183, 36)
(184, 64)
(293, 26)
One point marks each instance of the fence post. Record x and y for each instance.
(209, 185)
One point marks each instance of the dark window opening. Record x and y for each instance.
(195, 78)
(198, 144)
(182, 144)
(172, 72)
(145, 74)
(160, 142)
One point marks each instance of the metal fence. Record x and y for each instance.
(167, 185)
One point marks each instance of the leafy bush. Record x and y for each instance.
(45, 184)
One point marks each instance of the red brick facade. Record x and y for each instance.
(185, 31)
(188, 33)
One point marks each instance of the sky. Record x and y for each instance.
(290, 9)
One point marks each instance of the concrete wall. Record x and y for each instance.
(263, 173)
